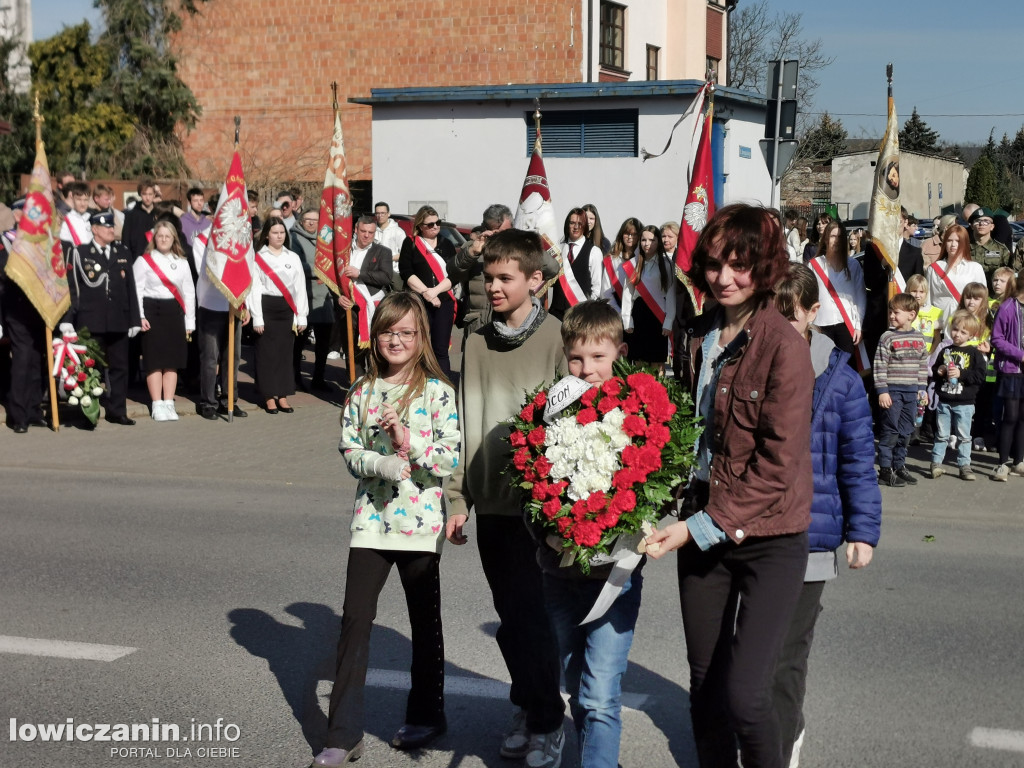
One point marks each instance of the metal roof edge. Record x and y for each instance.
(553, 92)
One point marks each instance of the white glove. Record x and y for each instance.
(133, 331)
(66, 329)
(393, 468)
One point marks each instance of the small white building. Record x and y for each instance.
(928, 184)
(462, 148)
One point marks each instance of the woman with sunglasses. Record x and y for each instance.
(423, 265)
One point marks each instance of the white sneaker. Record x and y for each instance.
(545, 749)
(172, 415)
(157, 411)
(516, 742)
(334, 355)
(1018, 468)
(1002, 472)
(794, 761)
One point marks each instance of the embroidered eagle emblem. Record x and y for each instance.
(695, 214)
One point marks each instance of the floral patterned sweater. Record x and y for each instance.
(407, 515)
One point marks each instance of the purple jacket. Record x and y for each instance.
(1006, 337)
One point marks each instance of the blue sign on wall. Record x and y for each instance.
(745, 152)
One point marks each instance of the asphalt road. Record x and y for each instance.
(217, 551)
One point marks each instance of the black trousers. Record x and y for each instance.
(732, 650)
(791, 669)
(214, 355)
(442, 320)
(321, 346)
(525, 637)
(116, 350)
(368, 570)
(25, 330)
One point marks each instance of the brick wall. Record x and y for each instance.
(272, 63)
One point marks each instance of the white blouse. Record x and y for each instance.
(288, 267)
(148, 284)
(850, 290)
(651, 279)
(963, 272)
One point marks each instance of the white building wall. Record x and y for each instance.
(853, 177)
(747, 179)
(464, 158)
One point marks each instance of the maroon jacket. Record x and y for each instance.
(761, 479)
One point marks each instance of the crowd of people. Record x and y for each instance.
(798, 362)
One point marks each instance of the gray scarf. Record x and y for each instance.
(514, 337)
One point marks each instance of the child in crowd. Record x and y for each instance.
(1004, 286)
(846, 506)
(400, 438)
(1009, 351)
(519, 347)
(959, 372)
(901, 380)
(974, 299)
(928, 317)
(594, 655)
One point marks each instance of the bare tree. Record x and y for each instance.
(756, 36)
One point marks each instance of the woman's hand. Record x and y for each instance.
(857, 337)
(667, 539)
(453, 529)
(144, 325)
(258, 329)
(432, 298)
(300, 328)
(345, 303)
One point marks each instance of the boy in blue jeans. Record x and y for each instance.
(593, 655)
(901, 380)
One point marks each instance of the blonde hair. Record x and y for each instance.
(175, 244)
(391, 310)
(918, 281)
(593, 320)
(1011, 284)
(968, 320)
(975, 291)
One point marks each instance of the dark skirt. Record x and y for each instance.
(645, 344)
(164, 346)
(274, 376)
(1011, 386)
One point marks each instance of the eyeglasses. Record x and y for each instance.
(983, 223)
(430, 224)
(404, 336)
(282, 206)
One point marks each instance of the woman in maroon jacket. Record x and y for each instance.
(743, 538)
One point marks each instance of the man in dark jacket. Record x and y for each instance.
(139, 220)
(370, 269)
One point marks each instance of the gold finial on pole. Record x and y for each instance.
(334, 95)
(536, 115)
(38, 117)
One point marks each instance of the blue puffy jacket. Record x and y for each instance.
(847, 504)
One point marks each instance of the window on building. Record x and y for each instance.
(586, 133)
(653, 52)
(613, 35)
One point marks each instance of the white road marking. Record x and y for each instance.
(460, 685)
(63, 649)
(997, 738)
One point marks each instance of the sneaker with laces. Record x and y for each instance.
(936, 471)
(887, 477)
(966, 473)
(904, 474)
(169, 412)
(545, 749)
(1002, 473)
(516, 742)
(1018, 468)
(157, 411)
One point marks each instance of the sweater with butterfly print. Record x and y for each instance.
(407, 515)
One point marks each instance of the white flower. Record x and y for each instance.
(587, 456)
(77, 391)
(97, 391)
(86, 401)
(72, 400)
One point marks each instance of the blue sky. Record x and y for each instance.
(948, 59)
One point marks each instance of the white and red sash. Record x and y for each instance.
(148, 256)
(613, 277)
(434, 262)
(367, 303)
(276, 280)
(572, 290)
(70, 222)
(860, 357)
(945, 278)
(644, 290)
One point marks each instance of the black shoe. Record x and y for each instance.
(20, 429)
(209, 412)
(887, 477)
(124, 421)
(416, 736)
(904, 474)
(38, 421)
(237, 412)
(284, 408)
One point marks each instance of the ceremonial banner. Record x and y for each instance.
(36, 261)
(699, 206)
(536, 213)
(230, 244)
(884, 215)
(334, 238)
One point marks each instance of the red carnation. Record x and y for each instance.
(542, 466)
(608, 404)
(612, 387)
(658, 435)
(608, 519)
(536, 436)
(540, 490)
(650, 458)
(623, 501)
(587, 415)
(579, 510)
(661, 411)
(588, 396)
(587, 533)
(518, 439)
(565, 525)
(89, 362)
(69, 363)
(540, 399)
(527, 413)
(551, 508)
(631, 403)
(630, 456)
(557, 489)
(625, 478)
(596, 501)
(82, 377)
(634, 426)
(521, 458)
(69, 385)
